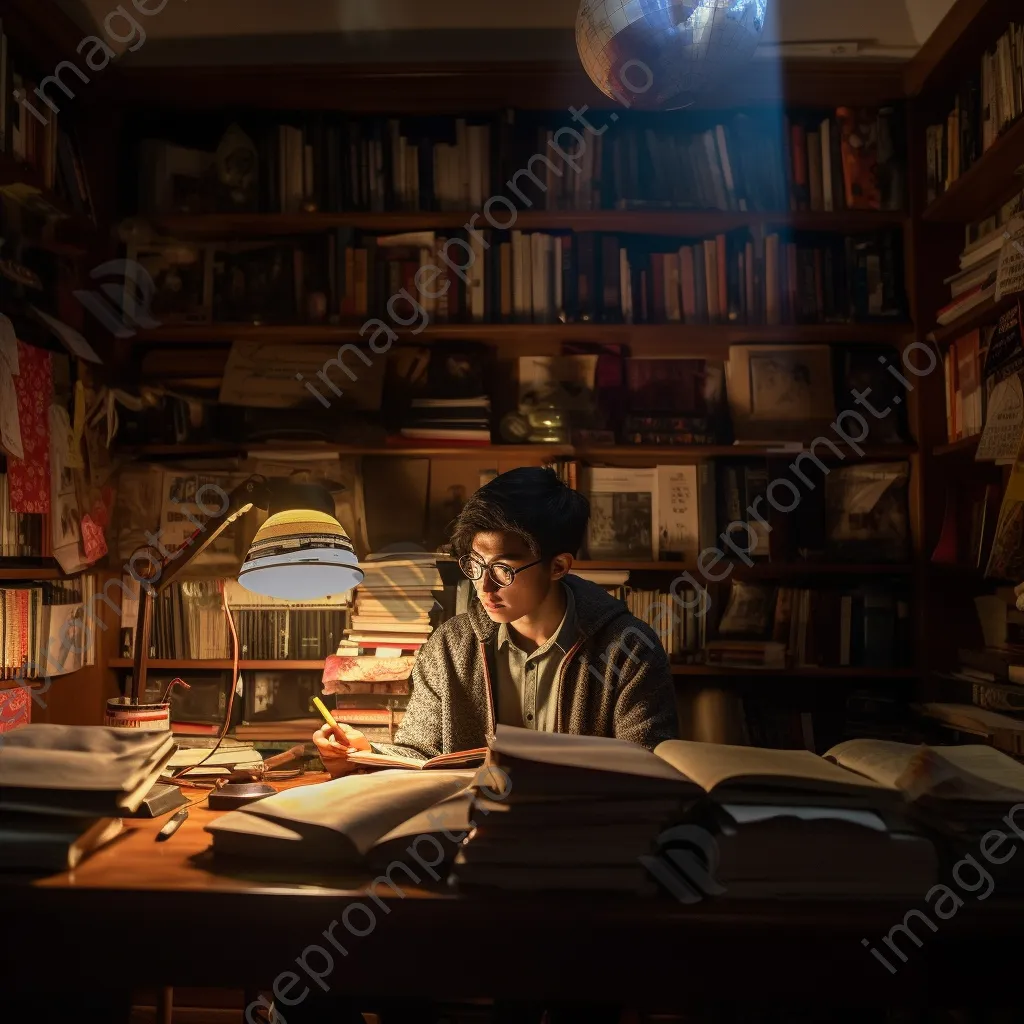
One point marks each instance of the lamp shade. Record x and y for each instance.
(299, 555)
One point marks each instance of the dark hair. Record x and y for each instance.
(530, 502)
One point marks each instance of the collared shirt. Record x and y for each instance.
(526, 682)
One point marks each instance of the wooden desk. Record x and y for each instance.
(155, 914)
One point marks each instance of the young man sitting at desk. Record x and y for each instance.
(541, 649)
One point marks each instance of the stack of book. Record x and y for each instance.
(462, 420)
(700, 819)
(960, 792)
(788, 823)
(392, 618)
(966, 721)
(63, 790)
(975, 281)
(574, 812)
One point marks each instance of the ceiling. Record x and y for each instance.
(259, 31)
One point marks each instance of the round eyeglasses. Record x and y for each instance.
(501, 575)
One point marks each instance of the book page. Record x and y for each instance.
(882, 760)
(718, 764)
(970, 772)
(371, 759)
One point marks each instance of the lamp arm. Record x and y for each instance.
(251, 493)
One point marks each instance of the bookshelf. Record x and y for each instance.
(935, 78)
(993, 179)
(175, 353)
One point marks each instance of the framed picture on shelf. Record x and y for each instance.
(780, 392)
(182, 283)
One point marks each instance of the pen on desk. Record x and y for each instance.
(173, 824)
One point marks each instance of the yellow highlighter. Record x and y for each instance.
(328, 717)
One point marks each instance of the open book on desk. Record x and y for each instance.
(341, 822)
(456, 759)
(561, 765)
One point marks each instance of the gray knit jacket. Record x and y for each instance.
(614, 681)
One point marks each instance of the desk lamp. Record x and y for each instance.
(301, 552)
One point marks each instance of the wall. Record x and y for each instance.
(899, 25)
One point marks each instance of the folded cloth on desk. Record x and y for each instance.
(89, 769)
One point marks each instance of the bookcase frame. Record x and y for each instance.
(947, 619)
(929, 245)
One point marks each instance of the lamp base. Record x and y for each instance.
(238, 794)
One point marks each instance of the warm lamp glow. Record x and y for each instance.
(300, 555)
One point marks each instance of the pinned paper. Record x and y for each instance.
(1010, 275)
(75, 460)
(73, 341)
(93, 542)
(1004, 423)
(10, 424)
(65, 517)
(9, 344)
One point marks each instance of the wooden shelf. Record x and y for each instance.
(806, 672)
(981, 316)
(155, 664)
(18, 684)
(965, 446)
(648, 222)
(767, 570)
(596, 453)
(674, 338)
(29, 573)
(956, 44)
(988, 183)
(436, 87)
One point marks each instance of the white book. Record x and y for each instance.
(678, 522)
(622, 513)
(538, 260)
(518, 291)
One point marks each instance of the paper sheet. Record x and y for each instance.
(9, 344)
(1004, 425)
(74, 342)
(10, 424)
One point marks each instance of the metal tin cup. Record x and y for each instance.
(120, 712)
